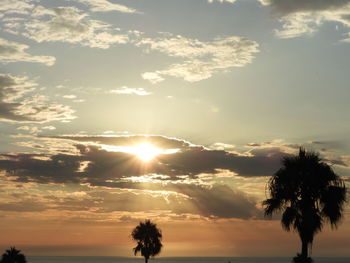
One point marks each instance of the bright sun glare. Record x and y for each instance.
(146, 151)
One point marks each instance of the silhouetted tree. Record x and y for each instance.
(309, 194)
(148, 238)
(13, 255)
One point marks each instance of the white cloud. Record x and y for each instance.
(130, 91)
(67, 24)
(153, 77)
(14, 52)
(200, 59)
(106, 6)
(17, 105)
(71, 96)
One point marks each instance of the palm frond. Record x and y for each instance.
(288, 218)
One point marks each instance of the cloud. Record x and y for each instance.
(35, 129)
(14, 52)
(153, 77)
(22, 206)
(130, 91)
(300, 18)
(106, 6)
(70, 97)
(216, 201)
(194, 180)
(112, 168)
(159, 141)
(17, 106)
(305, 17)
(69, 25)
(200, 60)
(16, 6)
(124, 193)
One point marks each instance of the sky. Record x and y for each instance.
(178, 111)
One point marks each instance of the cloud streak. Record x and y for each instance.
(200, 60)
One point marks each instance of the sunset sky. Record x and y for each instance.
(115, 111)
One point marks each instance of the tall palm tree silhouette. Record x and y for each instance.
(148, 238)
(309, 193)
(13, 255)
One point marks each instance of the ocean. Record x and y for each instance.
(33, 259)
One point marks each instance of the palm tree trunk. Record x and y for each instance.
(304, 249)
(146, 260)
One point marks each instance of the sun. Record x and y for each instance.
(146, 152)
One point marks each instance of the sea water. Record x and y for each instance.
(33, 259)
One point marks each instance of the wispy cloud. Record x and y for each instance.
(14, 52)
(69, 25)
(130, 91)
(200, 59)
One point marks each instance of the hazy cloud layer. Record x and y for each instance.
(13, 52)
(17, 104)
(199, 60)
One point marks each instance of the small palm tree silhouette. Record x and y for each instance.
(148, 238)
(13, 255)
(309, 193)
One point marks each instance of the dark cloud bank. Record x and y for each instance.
(180, 176)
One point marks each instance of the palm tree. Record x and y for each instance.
(309, 194)
(148, 238)
(13, 255)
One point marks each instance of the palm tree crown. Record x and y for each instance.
(309, 193)
(13, 255)
(148, 238)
